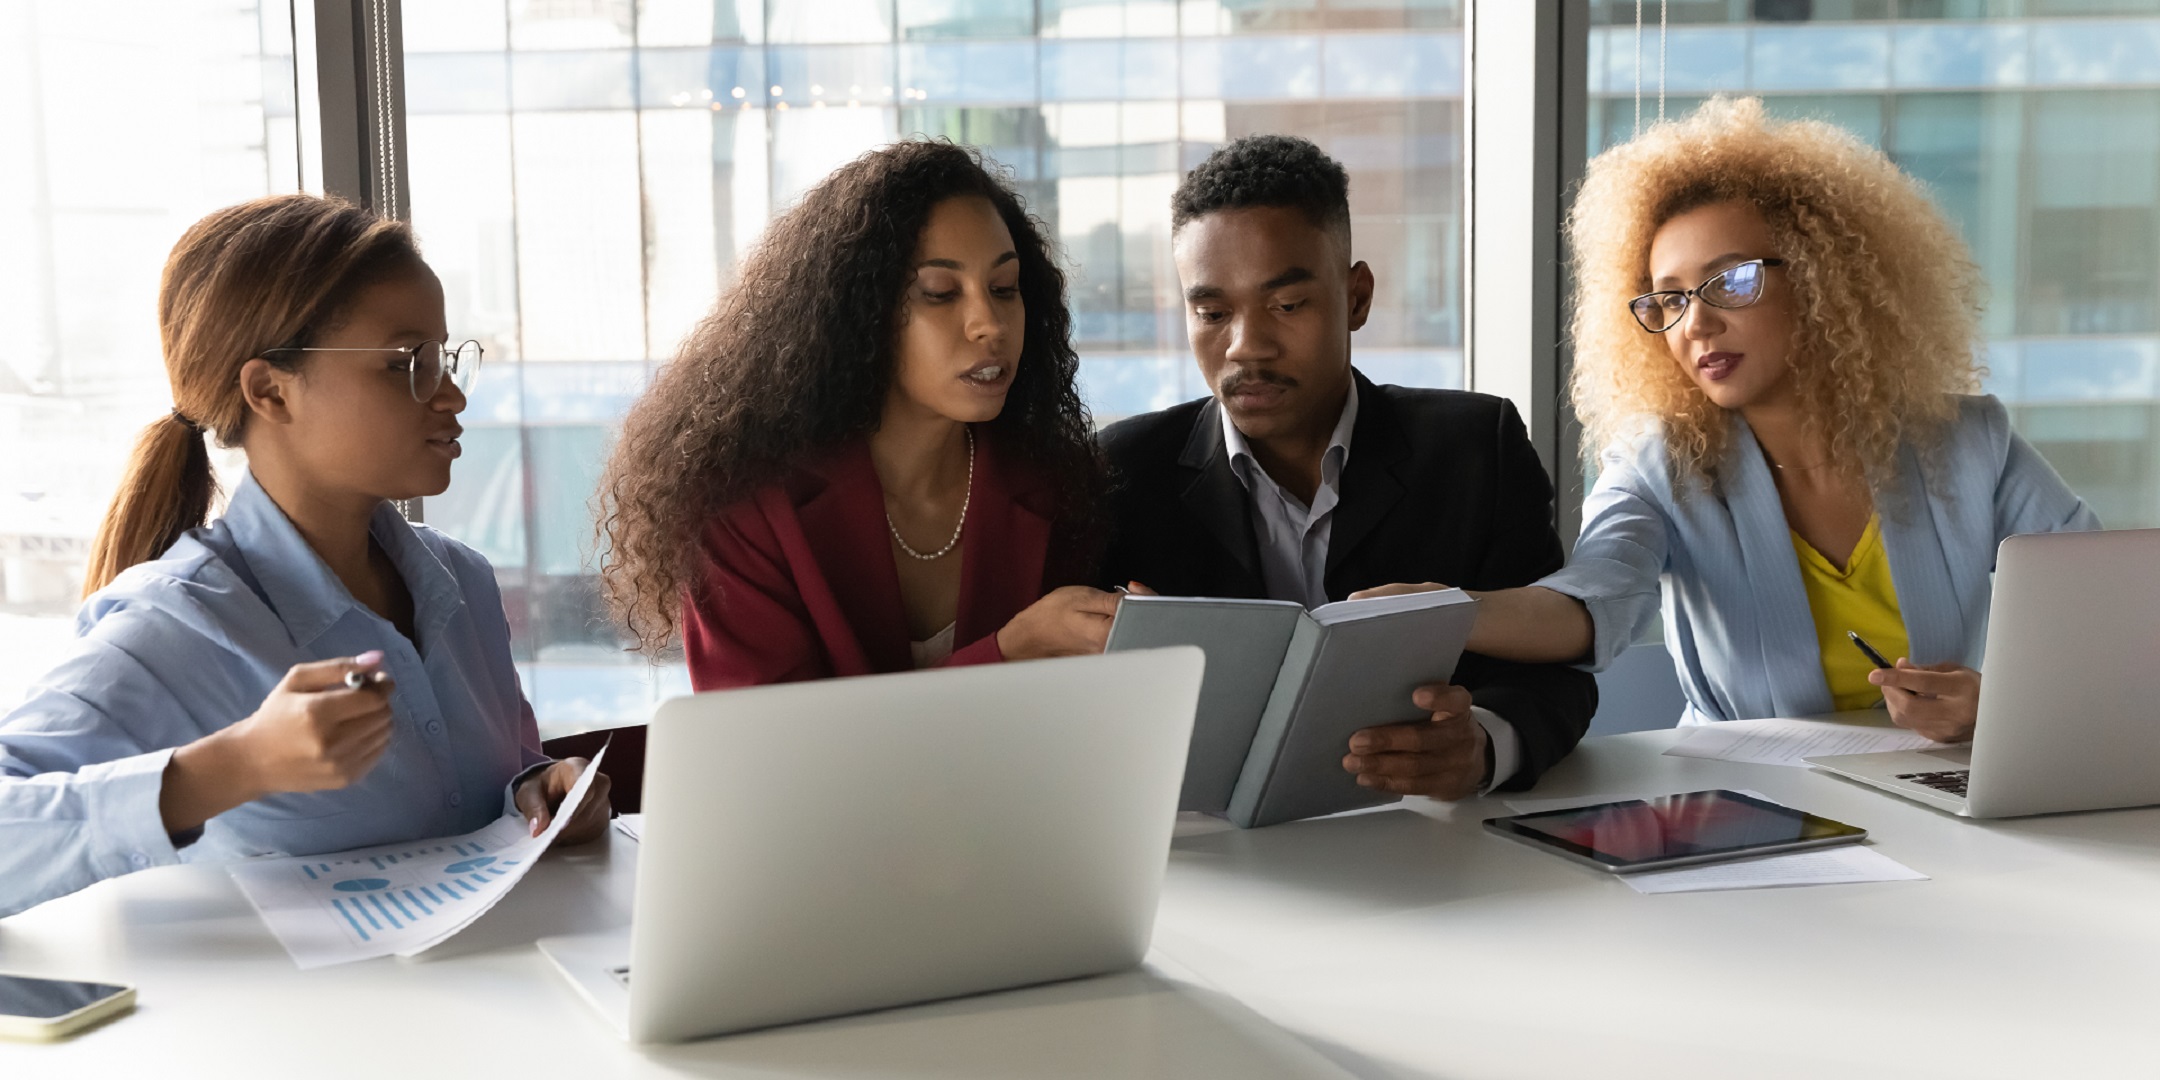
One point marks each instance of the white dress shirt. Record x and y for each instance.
(1293, 539)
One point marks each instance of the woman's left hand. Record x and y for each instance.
(540, 794)
(1940, 701)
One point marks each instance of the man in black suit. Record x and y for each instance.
(1301, 479)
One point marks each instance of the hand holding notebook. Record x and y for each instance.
(1286, 688)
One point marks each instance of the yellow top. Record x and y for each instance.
(1860, 598)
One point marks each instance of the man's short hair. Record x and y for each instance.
(1268, 170)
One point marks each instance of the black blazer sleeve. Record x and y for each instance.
(1549, 705)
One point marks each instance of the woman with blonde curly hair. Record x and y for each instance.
(1775, 336)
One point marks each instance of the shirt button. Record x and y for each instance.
(434, 727)
(139, 860)
(457, 798)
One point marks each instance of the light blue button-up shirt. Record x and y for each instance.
(193, 642)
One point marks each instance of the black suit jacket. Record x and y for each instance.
(1441, 485)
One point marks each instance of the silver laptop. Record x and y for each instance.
(830, 847)
(2070, 692)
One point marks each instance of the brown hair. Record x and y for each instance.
(268, 274)
(797, 358)
(1886, 296)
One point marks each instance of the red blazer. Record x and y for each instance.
(799, 581)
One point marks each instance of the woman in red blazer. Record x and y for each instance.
(872, 456)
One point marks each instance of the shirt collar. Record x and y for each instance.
(1332, 461)
(301, 588)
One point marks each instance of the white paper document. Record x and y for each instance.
(630, 825)
(1842, 865)
(1781, 741)
(396, 898)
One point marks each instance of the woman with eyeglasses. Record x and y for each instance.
(309, 672)
(1775, 337)
(872, 455)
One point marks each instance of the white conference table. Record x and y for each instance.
(1402, 942)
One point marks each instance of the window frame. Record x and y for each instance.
(1528, 77)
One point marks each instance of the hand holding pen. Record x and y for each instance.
(1940, 701)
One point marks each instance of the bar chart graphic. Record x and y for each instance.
(396, 898)
(422, 885)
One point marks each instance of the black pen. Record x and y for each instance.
(1861, 644)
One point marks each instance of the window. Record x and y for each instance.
(125, 121)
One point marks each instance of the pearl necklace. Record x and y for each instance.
(965, 496)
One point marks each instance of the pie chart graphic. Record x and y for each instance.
(365, 884)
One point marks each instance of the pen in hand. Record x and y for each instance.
(1876, 658)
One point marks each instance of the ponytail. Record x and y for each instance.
(245, 281)
(165, 492)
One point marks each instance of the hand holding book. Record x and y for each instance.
(1446, 757)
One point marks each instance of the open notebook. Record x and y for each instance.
(1286, 687)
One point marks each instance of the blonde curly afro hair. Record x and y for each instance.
(1886, 297)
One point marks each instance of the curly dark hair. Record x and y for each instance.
(798, 357)
(1268, 170)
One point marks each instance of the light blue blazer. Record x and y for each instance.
(1737, 621)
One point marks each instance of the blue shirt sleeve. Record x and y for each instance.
(82, 761)
(2030, 496)
(1618, 559)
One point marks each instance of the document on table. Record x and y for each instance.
(1782, 741)
(631, 825)
(1842, 865)
(396, 898)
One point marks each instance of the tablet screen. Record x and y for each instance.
(1673, 826)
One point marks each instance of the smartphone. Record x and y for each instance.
(40, 1010)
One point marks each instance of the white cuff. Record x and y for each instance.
(1506, 746)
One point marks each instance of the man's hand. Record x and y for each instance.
(1940, 701)
(542, 793)
(1441, 758)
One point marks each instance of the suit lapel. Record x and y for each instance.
(1791, 656)
(1919, 571)
(1215, 498)
(1003, 546)
(844, 523)
(1370, 487)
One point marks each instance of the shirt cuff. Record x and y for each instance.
(124, 811)
(510, 807)
(1506, 746)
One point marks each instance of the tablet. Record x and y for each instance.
(1674, 830)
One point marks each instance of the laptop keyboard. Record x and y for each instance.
(1949, 781)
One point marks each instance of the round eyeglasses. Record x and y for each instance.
(1737, 287)
(425, 364)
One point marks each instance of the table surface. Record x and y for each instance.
(1402, 942)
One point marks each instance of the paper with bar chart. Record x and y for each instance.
(396, 898)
